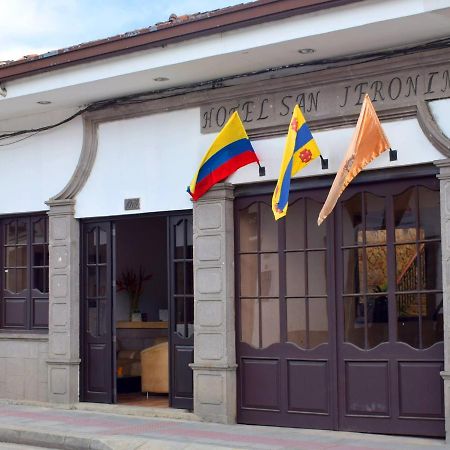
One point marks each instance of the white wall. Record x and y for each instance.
(441, 113)
(154, 158)
(37, 168)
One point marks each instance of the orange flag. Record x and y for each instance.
(367, 143)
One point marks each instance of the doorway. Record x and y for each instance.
(341, 326)
(137, 310)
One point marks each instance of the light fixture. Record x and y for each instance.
(43, 102)
(160, 79)
(306, 51)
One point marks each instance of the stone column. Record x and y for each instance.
(214, 344)
(444, 177)
(64, 312)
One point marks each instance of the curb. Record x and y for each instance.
(23, 436)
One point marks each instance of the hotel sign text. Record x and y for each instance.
(327, 101)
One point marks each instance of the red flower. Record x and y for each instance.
(305, 155)
(294, 124)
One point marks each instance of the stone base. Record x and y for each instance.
(63, 381)
(215, 393)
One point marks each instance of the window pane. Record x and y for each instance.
(22, 256)
(10, 256)
(179, 278)
(189, 278)
(39, 280)
(406, 267)
(351, 219)
(270, 321)
(295, 226)
(317, 273)
(39, 255)
(22, 231)
(190, 316)
(10, 232)
(39, 236)
(377, 276)
(377, 320)
(189, 238)
(103, 319)
(269, 229)
(408, 319)
(178, 231)
(249, 276)
(432, 319)
(352, 271)
(10, 280)
(295, 274)
(431, 265)
(316, 236)
(318, 321)
(22, 282)
(296, 321)
(102, 247)
(92, 282)
(92, 317)
(250, 321)
(375, 213)
(429, 213)
(92, 246)
(405, 212)
(248, 229)
(269, 275)
(179, 316)
(354, 321)
(102, 279)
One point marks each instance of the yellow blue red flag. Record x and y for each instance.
(300, 149)
(230, 150)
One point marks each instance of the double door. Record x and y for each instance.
(97, 330)
(341, 326)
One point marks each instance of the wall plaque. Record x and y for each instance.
(132, 204)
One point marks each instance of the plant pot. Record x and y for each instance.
(136, 316)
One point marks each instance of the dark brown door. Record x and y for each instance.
(341, 326)
(96, 313)
(286, 345)
(181, 305)
(390, 327)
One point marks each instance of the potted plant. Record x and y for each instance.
(133, 284)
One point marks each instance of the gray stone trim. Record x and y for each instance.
(23, 337)
(431, 129)
(85, 161)
(444, 177)
(214, 364)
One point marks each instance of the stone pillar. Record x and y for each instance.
(64, 312)
(214, 330)
(444, 177)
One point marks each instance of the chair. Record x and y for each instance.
(155, 369)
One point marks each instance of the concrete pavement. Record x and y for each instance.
(75, 429)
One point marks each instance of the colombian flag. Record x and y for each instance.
(300, 149)
(231, 150)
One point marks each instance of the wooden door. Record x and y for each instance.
(181, 306)
(285, 311)
(389, 304)
(96, 313)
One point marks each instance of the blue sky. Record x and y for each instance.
(37, 26)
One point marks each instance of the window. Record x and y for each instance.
(24, 284)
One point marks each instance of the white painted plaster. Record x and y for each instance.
(37, 168)
(441, 113)
(154, 158)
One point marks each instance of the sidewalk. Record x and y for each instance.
(56, 428)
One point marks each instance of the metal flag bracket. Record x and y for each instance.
(262, 170)
(323, 163)
(392, 155)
